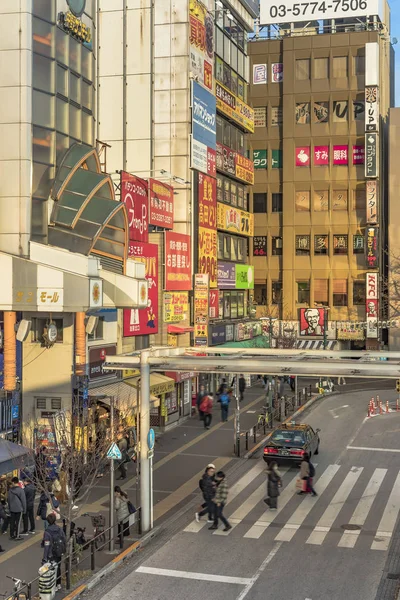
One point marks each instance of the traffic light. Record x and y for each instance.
(398, 385)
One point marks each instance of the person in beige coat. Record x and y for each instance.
(306, 476)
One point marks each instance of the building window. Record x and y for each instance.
(321, 244)
(359, 200)
(303, 113)
(276, 292)
(321, 68)
(359, 65)
(302, 69)
(340, 244)
(339, 200)
(321, 200)
(39, 327)
(276, 246)
(358, 244)
(359, 293)
(277, 202)
(98, 332)
(321, 291)
(276, 116)
(260, 294)
(227, 305)
(302, 245)
(55, 403)
(340, 111)
(303, 292)
(260, 202)
(339, 67)
(340, 292)
(302, 201)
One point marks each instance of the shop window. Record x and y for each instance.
(302, 69)
(358, 244)
(39, 325)
(276, 292)
(43, 73)
(276, 116)
(321, 200)
(260, 294)
(303, 292)
(321, 68)
(260, 202)
(277, 202)
(98, 332)
(340, 292)
(241, 303)
(276, 246)
(234, 305)
(339, 67)
(340, 244)
(339, 200)
(302, 245)
(302, 201)
(359, 293)
(321, 244)
(359, 65)
(227, 305)
(321, 291)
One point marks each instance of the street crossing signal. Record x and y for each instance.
(398, 385)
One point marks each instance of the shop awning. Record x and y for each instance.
(13, 456)
(159, 384)
(316, 344)
(177, 329)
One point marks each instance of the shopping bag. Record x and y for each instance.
(299, 484)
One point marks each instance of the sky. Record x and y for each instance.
(395, 33)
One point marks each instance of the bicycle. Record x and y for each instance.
(263, 418)
(18, 586)
(98, 523)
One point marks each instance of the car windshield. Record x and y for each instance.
(293, 438)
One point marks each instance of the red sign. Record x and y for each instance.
(161, 204)
(303, 156)
(213, 305)
(134, 194)
(145, 320)
(207, 202)
(358, 155)
(312, 322)
(340, 155)
(178, 264)
(321, 156)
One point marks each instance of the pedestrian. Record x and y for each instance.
(207, 486)
(242, 387)
(28, 517)
(55, 545)
(4, 516)
(199, 398)
(341, 380)
(17, 505)
(274, 482)
(220, 499)
(206, 407)
(122, 509)
(307, 472)
(48, 504)
(223, 387)
(224, 400)
(122, 443)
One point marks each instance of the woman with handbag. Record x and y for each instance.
(124, 509)
(274, 482)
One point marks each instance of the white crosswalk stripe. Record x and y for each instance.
(389, 518)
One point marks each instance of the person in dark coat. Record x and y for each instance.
(17, 505)
(223, 387)
(274, 482)
(47, 502)
(208, 488)
(242, 387)
(200, 396)
(55, 545)
(28, 517)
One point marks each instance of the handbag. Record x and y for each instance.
(299, 484)
(131, 508)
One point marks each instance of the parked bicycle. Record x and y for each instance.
(98, 523)
(19, 591)
(263, 418)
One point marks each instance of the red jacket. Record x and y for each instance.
(206, 405)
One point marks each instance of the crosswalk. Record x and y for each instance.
(367, 500)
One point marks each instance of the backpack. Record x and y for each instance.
(312, 469)
(224, 399)
(201, 484)
(58, 544)
(204, 404)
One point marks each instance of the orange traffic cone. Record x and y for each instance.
(369, 409)
(380, 408)
(372, 405)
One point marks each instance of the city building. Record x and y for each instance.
(321, 90)
(393, 254)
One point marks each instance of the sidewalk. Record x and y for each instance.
(181, 455)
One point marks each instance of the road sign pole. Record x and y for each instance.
(112, 472)
(145, 466)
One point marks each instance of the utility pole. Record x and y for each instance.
(145, 476)
(112, 475)
(237, 418)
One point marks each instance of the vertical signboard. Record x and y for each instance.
(372, 201)
(178, 265)
(144, 321)
(372, 307)
(371, 155)
(259, 74)
(204, 130)
(201, 308)
(371, 108)
(372, 248)
(207, 202)
(201, 43)
(213, 304)
(134, 194)
(161, 201)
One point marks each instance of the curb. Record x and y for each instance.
(116, 562)
(310, 402)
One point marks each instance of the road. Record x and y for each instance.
(330, 547)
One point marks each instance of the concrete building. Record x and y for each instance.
(321, 92)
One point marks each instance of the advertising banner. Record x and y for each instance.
(371, 155)
(340, 155)
(207, 202)
(260, 159)
(144, 321)
(358, 155)
(372, 201)
(161, 200)
(244, 277)
(291, 11)
(234, 220)
(176, 306)
(244, 169)
(303, 156)
(259, 74)
(201, 43)
(226, 275)
(371, 108)
(234, 108)
(372, 248)
(213, 304)
(260, 116)
(276, 72)
(208, 254)
(134, 194)
(371, 307)
(233, 163)
(277, 159)
(178, 264)
(260, 245)
(97, 357)
(201, 310)
(217, 335)
(312, 322)
(321, 156)
(204, 130)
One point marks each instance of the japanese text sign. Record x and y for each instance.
(144, 321)
(134, 194)
(234, 108)
(259, 74)
(201, 40)
(201, 310)
(358, 155)
(204, 130)
(372, 249)
(371, 108)
(178, 265)
(321, 156)
(276, 72)
(213, 304)
(161, 204)
(372, 201)
(371, 305)
(340, 155)
(234, 220)
(371, 155)
(176, 306)
(260, 245)
(207, 244)
(260, 159)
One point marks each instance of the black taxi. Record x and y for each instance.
(290, 441)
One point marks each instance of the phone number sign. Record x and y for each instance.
(292, 11)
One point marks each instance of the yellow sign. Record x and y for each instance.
(130, 373)
(234, 220)
(172, 340)
(75, 27)
(350, 334)
(234, 108)
(208, 254)
(176, 306)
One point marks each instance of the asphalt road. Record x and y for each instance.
(331, 547)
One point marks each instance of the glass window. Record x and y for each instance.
(277, 202)
(87, 128)
(321, 112)
(227, 305)
(227, 76)
(234, 305)
(321, 200)
(340, 111)
(75, 122)
(86, 94)
(241, 69)
(260, 202)
(241, 142)
(242, 249)
(234, 83)
(226, 136)
(75, 55)
(219, 69)
(219, 46)
(302, 113)
(233, 194)
(43, 37)
(339, 200)
(321, 244)
(43, 109)
(220, 129)
(74, 88)
(62, 109)
(227, 50)
(43, 73)
(302, 245)
(62, 81)
(241, 197)
(303, 292)
(42, 180)
(220, 246)
(227, 246)
(240, 304)
(303, 69)
(220, 188)
(44, 9)
(241, 86)
(234, 57)
(240, 36)
(321, 68)
(340, 292)
(302, 201)
(276, 246)
(43, 145)
(339, 67)
(87, 64)
(358, 244)
(340, 244)
(39, 218)
(359, 296)
(276, 292)
(62, 145)
(276, 116)
(234, 248)
(359, 110)
(321, 291)
(260, 293)
(62, 46)
(359, 65)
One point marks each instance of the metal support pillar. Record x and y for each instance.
(145, 495)
(237, 416)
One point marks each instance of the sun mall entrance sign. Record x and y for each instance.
(292, 11)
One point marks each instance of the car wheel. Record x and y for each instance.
(317, 450)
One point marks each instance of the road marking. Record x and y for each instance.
(251, 412)
(192, 575)
(288, 531)
(333, 411)
(256, 531)
(373, 449)
(328, 518)
(349, 538)
(235, 490)
(389, 519)
(259, 572)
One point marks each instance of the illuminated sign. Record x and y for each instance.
(75, 27)
(234, 220)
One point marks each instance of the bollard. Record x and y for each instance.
(387, 406)
(29, 591)
(247, 440)
(255, 434)
(92, 555)
(378, 402)
(372, 403)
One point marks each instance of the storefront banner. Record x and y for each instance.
(321, 156)
(340, 155)
(358, 155)
(276, 72)
(134, 194)
(207, 239)
(213, 304)
(260, 159)
(201, 40)
(207, 202)
(203, 130)
(350, 334)
(234, 108)
(234, 220)
(371, 306)
(244, 277)
(259, 74)
(303, 156)
(161, 200)
(176, 306)
(226, 275)
(371, 155)
(260, 116)
(144, 321)
(372, 201)
(226, 159)
(260, 245)
(277, 161)
(244, 169)
(371, 108)
(217, 335)
(207, 250)
(178, 264)
(201, 308)
(97, 357)
(372, 247)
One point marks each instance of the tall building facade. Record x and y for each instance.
(321, 92)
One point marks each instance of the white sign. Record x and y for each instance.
(371, 307)
(199, 156)
(114, 453)
(292, 11)
(371, 108)
(259, 74)
(50, 299)
(260, 116)
(276, 72)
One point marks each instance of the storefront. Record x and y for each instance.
(186, 387)
(164, 406)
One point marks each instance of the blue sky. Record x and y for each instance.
(395, 32)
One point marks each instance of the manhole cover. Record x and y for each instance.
(351, 527)
(393, 576)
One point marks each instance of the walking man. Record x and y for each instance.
(224, 400)
(220, 499)
(55, 545)
(17, 505)
(242, 387)
(206, 408)
(28, 517)
(202, 393)
(207, 486)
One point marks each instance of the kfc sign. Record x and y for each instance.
(134, 194)
(372, 305)
(312, 322)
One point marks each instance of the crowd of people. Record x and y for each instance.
(224, 395)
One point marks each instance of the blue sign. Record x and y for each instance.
(204, 116)
(114, 453)
(15, 411)
(151, 438)
(217, 335)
